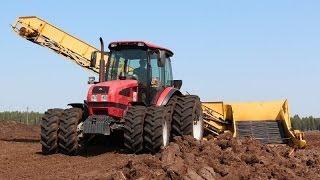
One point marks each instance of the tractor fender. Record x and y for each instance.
(82, 106)
(166, 94)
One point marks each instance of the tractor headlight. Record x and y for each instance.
(94, 98)
(103, 97)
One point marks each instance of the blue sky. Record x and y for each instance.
(224, 50)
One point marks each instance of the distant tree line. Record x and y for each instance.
(306, 123)
(22, 117)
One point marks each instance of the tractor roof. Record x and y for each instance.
(139, 43)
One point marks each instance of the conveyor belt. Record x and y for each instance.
(268, 132)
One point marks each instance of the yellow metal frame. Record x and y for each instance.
(47, 35)
(250, 111)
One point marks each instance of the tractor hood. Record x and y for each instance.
(111, 91)
(111, 97)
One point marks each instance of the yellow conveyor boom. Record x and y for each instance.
(47, 35)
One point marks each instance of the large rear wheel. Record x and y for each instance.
(171, 107)
(49, 131)
(156, 129)
(187, 117)
(69, 133)
(133, 131)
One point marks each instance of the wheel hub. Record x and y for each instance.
(165, 134)
(197, 127)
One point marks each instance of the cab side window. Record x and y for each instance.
(161, 74)
(168, 73)
(157, 73)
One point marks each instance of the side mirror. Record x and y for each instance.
(93, 59)
(161, 58)
(92, 80)
(177, 84)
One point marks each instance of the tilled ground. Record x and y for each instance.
(185, 158)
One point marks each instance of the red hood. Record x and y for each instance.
(113, 87)
(111, 97)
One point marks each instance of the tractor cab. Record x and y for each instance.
(136, 73)
(148, 64)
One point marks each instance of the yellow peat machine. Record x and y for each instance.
(268, 122)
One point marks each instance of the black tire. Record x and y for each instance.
(49, 131)
(154, 126)
(171, 106)
(187, 114)
(133, 131)
(68, 134)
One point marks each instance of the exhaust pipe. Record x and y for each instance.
(102, 71)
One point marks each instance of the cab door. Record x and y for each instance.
(161, 77)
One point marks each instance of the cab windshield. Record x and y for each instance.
(129, 63)
(132, 64)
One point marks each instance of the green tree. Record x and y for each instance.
(305, 123)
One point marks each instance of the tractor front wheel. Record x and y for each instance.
(69, 137)
(49, 131)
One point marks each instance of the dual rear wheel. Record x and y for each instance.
(146, 129)
(187, 118)
(151, 128)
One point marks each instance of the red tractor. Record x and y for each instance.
(136, 95)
